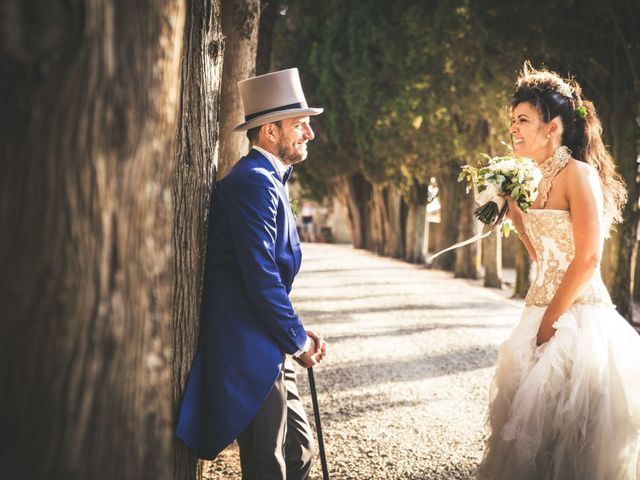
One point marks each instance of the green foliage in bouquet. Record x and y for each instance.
(494, 177)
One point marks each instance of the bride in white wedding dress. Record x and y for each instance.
(565, 399)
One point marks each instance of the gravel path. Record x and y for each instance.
(404, 389)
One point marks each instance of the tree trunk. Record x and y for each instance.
(448, 187)
(360, 199)
(624, 133)
(269, 14)
(427, 233)
(385, 221)
(409, 233)
(392, 223)
(375, 212)
(240, 20)
(194, 176)
(415, 233)
(624, 244)
(416, 224)
(90, 94)
(354, 192)
(636, 278)
(492, 260)
(468, 257)
(523, 271)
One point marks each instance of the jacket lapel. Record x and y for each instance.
(290, 221)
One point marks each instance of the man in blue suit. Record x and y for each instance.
(242, 385)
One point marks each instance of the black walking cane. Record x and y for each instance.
(316, 414)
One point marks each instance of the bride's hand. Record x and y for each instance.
(546, 330)
(514, 213)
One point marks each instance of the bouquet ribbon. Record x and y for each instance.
(486, 231)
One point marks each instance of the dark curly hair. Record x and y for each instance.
(554, 97)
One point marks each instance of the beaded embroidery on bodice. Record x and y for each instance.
(551, 235)
(550, 168)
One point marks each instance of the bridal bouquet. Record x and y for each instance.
(492, 179)
(497, 176)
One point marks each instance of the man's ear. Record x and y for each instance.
(269, 132)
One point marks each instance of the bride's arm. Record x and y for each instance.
(515, 215)
(583, 192)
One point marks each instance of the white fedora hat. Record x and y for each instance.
(272, 97)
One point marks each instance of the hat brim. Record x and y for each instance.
(276, 116)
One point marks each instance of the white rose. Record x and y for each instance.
(505, 166)
(490, 194)
(537, 176)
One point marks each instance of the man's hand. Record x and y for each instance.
(320, 346)
(316, 352)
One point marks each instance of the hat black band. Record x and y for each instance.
(271, 110)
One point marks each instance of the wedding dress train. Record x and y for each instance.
(569, 409)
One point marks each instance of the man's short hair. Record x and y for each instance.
(253, 134)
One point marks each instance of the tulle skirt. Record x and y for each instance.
(569, 409)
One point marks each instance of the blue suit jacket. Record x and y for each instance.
(247, 321)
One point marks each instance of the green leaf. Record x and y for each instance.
(294, 206)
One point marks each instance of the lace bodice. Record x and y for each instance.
(551, 235)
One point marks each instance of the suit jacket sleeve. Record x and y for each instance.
(252, 213)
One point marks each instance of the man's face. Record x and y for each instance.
(294, 134)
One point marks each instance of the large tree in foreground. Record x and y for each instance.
(240, 19)
(194, 175)
(90, 96)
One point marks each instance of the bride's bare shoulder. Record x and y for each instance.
(576, 167)
(582, 182)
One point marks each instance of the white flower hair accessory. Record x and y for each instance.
(565, 90)
(545, 81)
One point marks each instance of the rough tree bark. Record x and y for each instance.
(340, 188)
(240, 20)
(523, 269)
(269, 13)
(625, 132)
(355, 193)
(415, 233)
(194, 175)
(468, 257)
(90, 102)
(374, 211)
(492, 260)
(636, 278)
(386, 222)
(415, 223)
(397, 222)
(448, 187)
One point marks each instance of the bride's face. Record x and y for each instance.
(529, 134)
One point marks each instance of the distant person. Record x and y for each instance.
(242, 384)
(565, 401)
